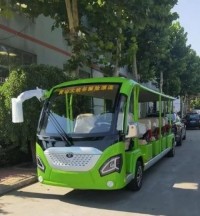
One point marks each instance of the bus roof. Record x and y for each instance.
(146, 94)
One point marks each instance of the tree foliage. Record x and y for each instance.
(5, 10)
(190, 78)
(104, 32)
(113, 34)
(173, 63)
(179, 64)
(20, 80)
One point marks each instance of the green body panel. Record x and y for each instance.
(164, 143)
(92, 179)
(86, 180)
(170, 139)
(147, 153)
(131, 159)
(156, 147)
(127, 85)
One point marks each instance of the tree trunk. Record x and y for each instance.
(134, 68)
(186, 102)
(183, 105)
(70, 16)
(75, 13)
(118, 51)
(161, 81)
(73, 18)
(33, 151)
(116, 70)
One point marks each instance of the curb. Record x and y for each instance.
(18, 185)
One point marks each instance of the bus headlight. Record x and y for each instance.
(113, 164)
(40, 164)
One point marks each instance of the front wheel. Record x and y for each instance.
(136, 183)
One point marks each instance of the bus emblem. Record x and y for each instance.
(69, 155)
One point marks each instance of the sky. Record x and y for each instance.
(189, 18)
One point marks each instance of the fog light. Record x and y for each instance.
(40, 179)
(110, 184)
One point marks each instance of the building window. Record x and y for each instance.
(11, 57)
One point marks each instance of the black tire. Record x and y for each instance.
(136, 183)
(179, 143)
(171, 153)
(184, 138)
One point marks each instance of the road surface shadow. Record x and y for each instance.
(156, 197)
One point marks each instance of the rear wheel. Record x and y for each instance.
(179, 143)
(184, 137)
(136, 183)
(171, 153)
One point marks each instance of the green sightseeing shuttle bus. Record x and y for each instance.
(99, 133)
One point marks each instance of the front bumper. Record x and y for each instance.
(81, 178)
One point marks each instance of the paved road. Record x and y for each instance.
(170, 188)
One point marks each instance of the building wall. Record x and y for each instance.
(35, 36)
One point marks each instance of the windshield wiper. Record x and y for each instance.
(46, 138)
(59, 128)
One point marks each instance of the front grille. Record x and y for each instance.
(71, 159)
(77, 160)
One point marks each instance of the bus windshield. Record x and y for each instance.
(82, 109)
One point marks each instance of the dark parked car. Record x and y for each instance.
(179, 128)
(192, 120)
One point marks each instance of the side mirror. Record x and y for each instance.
(132, 131)
(17, 111)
